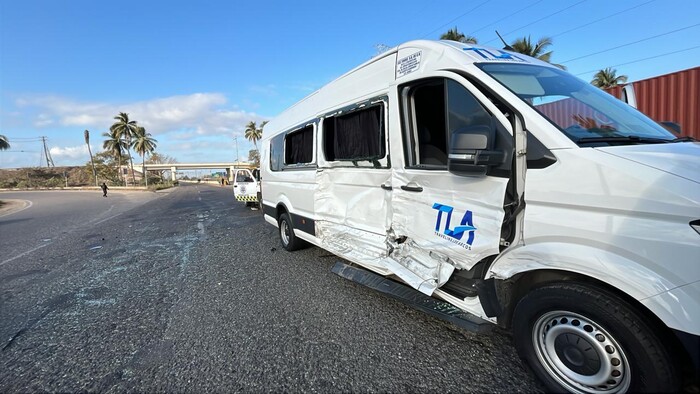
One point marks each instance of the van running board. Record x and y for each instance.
(432, 306)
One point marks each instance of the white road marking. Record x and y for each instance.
(25, 253)
(106, 219)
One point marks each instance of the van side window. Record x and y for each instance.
(277, 152)
(356, 136)
(431, 111)
(299, 146)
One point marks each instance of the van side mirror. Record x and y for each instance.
(471, 153)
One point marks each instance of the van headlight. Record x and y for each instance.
(695, 224)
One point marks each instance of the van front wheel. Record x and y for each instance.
(583, 339)
(289, 241)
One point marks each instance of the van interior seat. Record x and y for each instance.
(428, 152)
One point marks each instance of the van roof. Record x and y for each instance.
(442, 54)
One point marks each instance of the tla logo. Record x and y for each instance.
(455, 235)
(501, 55)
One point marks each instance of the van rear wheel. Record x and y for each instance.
(289, 241)
(584, 339)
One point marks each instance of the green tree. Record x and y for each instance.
(143, 143)
(607, 78)
(105, 167)
(4, 142)
(87, 142)
(254, 157)
(253, 133)
(456, 35)
(539, 50)
(124, 129)
(115, 146)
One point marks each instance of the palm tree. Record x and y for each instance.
(4, 142)
(92, 160)
(114, 145)
(524, 45)
(455, 35)
(253, 133)
(607, 78)
(143, 143)
(125, 129)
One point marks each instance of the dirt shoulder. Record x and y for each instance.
(8, 207)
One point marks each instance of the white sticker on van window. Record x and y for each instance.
(408, 64)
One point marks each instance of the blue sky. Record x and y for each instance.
(194, 73)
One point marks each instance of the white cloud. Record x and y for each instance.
(70, 153)
(43, 120)
(203, 113)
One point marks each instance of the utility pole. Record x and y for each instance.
(236, 139)
(47, 154)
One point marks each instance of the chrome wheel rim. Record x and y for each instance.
(284, 232)
(580, 354)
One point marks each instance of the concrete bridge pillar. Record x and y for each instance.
(173, 173)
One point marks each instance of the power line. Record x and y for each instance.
(646, 58)
(631, 43)
(506, 17)
(541, 19)
(450, 22)
(601, 19)
(24, 139)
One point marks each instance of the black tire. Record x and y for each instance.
(290, 242)
(581, 338)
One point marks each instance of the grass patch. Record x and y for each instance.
(161, 186)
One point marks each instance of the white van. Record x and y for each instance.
(514, 192)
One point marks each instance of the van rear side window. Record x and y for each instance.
(356, 136)
(299, 146)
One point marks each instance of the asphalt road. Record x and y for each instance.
(191, 292)
(51, 215)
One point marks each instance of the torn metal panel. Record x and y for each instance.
(366, 248)
(418, 267)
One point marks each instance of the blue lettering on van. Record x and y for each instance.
(502, 55)
(454, 235)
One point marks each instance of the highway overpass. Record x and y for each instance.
(174, 167)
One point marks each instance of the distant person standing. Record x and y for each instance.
(104, 189)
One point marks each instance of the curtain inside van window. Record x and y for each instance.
(358, 135)
(299, 147)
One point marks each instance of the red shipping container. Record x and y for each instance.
(673, 97)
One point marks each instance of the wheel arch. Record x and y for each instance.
(510, 291)
(280, 209)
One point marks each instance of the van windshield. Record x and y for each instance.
(586, 114)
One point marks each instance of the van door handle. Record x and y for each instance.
(412, 187)
(385, 186)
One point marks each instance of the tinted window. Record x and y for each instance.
(299, 146)
(356, 136)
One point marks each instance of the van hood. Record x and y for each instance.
(678, 158)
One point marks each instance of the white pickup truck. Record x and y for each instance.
(246, 186)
